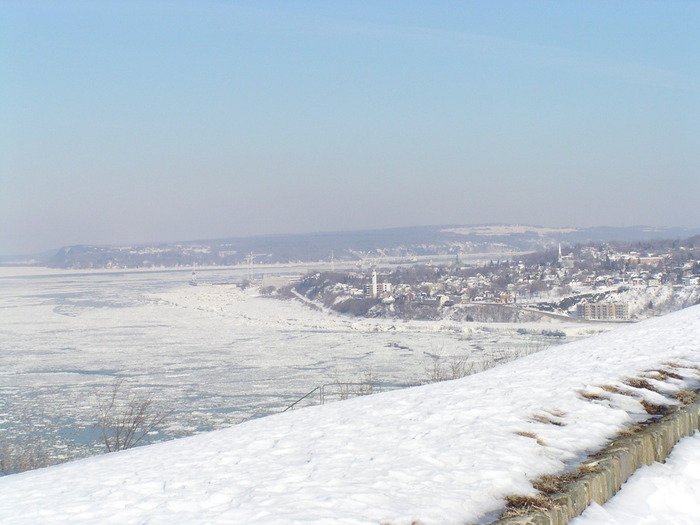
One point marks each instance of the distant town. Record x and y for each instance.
(601, 282)
(489, 272)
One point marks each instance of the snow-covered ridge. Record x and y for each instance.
(507, 229)
(443, 453)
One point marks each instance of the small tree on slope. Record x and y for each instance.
(125, 419)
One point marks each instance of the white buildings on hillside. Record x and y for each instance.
(375, 289)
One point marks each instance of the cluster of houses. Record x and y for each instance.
(527, 282)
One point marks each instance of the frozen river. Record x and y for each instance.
(212, 354)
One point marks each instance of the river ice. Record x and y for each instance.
(213, 354)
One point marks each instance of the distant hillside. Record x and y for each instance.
(350, 246)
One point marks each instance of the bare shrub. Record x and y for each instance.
(125, 419)
(15, 458)
(366, 385)
(460, 367)
(435, 372)
(455, 368)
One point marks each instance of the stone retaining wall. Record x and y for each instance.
(613, 465)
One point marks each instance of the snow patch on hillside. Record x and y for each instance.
(645, 301)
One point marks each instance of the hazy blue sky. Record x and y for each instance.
(144, 121)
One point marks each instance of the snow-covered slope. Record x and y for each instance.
(446, 453)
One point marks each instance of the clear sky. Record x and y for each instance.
(133, 121)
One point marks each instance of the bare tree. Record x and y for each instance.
(455, 368)
(365, 385)
(126, 419)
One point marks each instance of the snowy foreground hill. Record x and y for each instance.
(446, 453)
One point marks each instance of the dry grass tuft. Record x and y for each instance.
(617, 390)
(672, 364)
(636, 382)
(685, 396)
(612, 389)
(655, 409)
(590, 396)
(539, 418)
(526, 434)
(585, 468)
(555, 412)
(673, 375)
(531, 435)
(550, 484)
(554, 484)
(662, 375)
(659, 375)
(630, 431)
(519, 505)
(547, 485)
